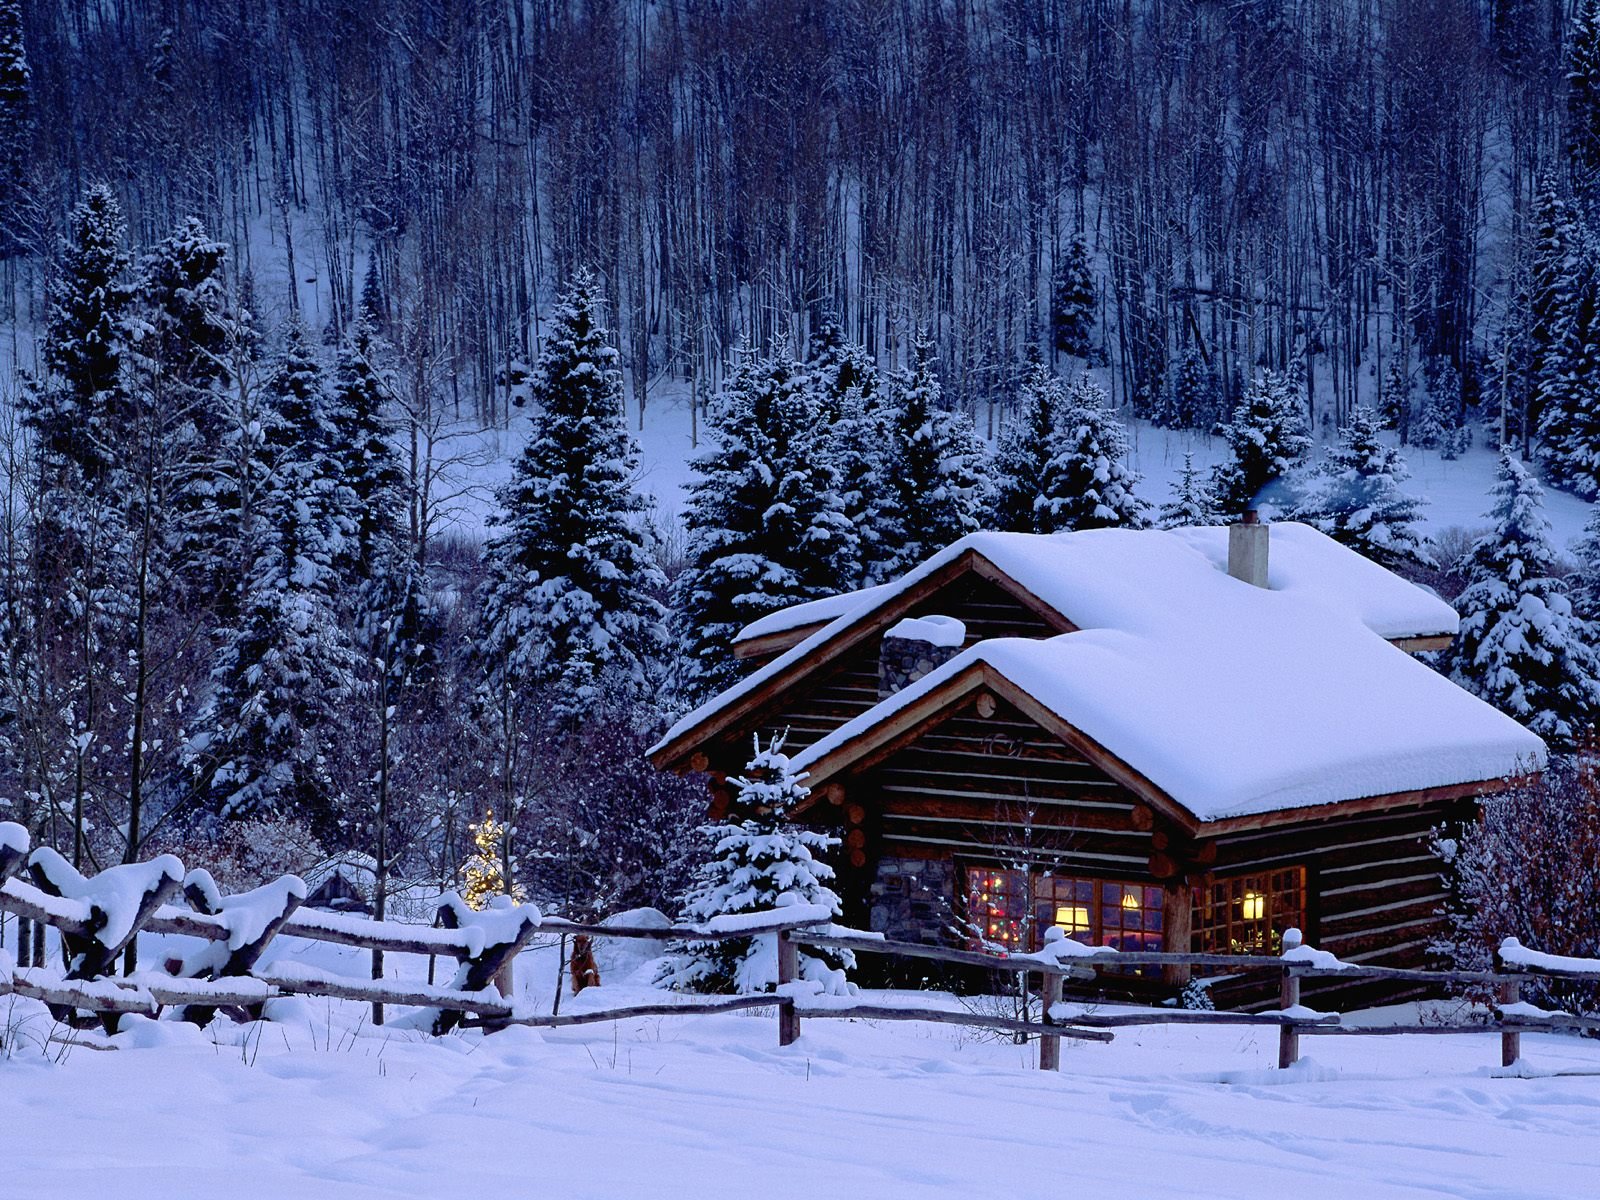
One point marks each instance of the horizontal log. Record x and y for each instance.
(417, 995)
(696, 933)
(90, 996)
(942, 1016)
(28, 901)
(690, 1009)
(971, 958)
(376, 935)
(1184, 1016)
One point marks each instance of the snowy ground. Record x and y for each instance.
(1457, 493)
(322, 1105)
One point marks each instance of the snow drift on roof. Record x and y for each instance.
(1305, 562)
(1232, 699)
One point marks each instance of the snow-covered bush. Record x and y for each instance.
(760, 861)
(1530, 869)
(244, 854)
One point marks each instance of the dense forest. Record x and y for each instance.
(1236, 183)
(917, 264)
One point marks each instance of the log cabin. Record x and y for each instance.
(1186, 740)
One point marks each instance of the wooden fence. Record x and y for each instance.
(97, 919)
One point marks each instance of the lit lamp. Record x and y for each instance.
(1255, 906)
(1072, 918)
(1130, 899)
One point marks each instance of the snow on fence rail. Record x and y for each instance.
(98, 917)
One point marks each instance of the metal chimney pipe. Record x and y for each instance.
(1248, 543)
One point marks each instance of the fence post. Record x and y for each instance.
(1508, 991)
(1289, 997)
(1050, 1043)
(788, 972)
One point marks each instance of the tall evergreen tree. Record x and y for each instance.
(1072, 303)
(1521, 646)
(84, 403)
(837, 366)
(938, 487)
(1267, 438)
(1569, 427)
(1029, 441)
(570, 599)
(370, 495)
(1087, 484)
(766, 519)
(1553, 295)
(16, 126)
(1192, 502)
(1583, 100)
(1356, 498)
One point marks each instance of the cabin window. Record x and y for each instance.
(1247, 914)
(1014, 908)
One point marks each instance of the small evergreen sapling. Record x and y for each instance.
(760, 861)
(1521, 647)
(1072, 303)
(1192, 502)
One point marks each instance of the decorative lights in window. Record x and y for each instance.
(1095, 912)
(1247, 914)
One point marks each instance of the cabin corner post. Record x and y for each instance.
(1178, 902)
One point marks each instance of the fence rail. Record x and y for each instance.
(98, 918)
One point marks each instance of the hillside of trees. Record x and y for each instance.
(1184, 191)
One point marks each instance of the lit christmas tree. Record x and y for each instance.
(484, 872)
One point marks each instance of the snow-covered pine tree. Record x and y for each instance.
(1268, 439)
(1192, 502)
(837, 366)
(285, 674)
(570, 595)
(283, 681)
(302, 447)
(1355, 495)
(1569, 428)
(938, 488)
(179, 351)
(1193, 404)
(1087, 484)
(1553, 290)
(1583, 101)
(766, 518)
(1394, 405)
(1030, 439)
(1072, 303)
(761, 860)
(1521, 646)
(369, 497)
(16, 126)
(1585, 583)
(84, 403)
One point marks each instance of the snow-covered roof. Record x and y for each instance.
(1302, 560)
(812, 612)
(1232, 699)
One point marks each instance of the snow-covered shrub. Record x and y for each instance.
(760, 861)
(1196, 996)
(1530, 869)
(244, 854)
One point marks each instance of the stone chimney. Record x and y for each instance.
(1247, 549)
(914, 647)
